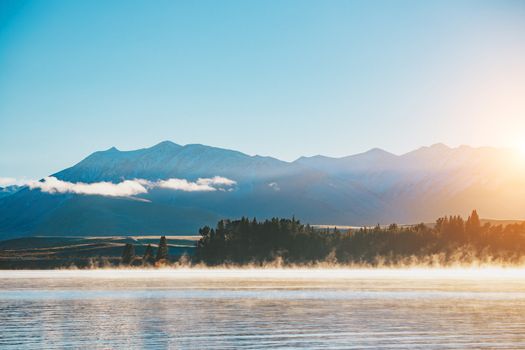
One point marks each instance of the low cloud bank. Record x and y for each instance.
(201, 185)
(123, 189)
(11, 181)
(130, 188)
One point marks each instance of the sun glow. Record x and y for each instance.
(518, 148)
(521, 148)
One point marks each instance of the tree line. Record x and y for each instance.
(149, 258)
(451, 239)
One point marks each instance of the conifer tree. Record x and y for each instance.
(148, 257)
(162, 252)
(128, 254)
(473, 225)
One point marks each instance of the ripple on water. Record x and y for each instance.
(224, 310)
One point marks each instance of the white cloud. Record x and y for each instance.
(184, 185)
(274, 186)
(10, 181)
(201, 185)
(125, 188)
(7, 181)
(129, 188)
(217, 181)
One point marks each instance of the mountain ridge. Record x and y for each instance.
(361, 189)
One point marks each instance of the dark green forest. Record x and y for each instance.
(451, 239)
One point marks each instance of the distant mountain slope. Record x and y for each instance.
(363, 189)
(437, 180)
(8, 190)
(168, 159)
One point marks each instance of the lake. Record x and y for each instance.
(412, 308)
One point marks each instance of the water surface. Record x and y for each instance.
(257, 308)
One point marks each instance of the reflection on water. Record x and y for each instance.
(410, 308)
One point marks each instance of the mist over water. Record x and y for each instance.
(264, 308)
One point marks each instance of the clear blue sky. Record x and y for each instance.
(279, 78)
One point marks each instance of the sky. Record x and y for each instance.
(278, 78)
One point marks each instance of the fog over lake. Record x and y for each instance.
(264, 308)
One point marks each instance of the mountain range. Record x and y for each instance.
(168, 198)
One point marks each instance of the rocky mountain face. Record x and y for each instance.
(363, 189)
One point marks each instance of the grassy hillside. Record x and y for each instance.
(55, 252)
